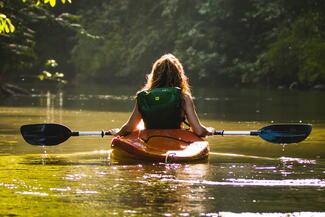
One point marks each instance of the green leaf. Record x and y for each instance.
(5, 24)
(47, 74)
(52, 3)
(58, 75)
(51, 63)
(41, 77)
(6, 28)
(11, 27)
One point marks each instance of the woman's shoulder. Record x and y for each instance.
(187, 96)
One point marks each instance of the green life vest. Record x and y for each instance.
(161, 108)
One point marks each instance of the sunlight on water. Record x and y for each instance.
(298, 160)
(241, 156)
(254, 182)
(60, 189)
(32, 193)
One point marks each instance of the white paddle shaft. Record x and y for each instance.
(237, 133)
(90, 133)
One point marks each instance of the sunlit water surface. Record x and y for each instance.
(243, 175)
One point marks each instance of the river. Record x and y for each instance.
(243, 175)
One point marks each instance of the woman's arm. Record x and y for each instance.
(131, 124)
(193, 119)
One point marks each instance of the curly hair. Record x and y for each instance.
(167, 71)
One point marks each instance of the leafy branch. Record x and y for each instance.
(50, 2)
(6, 25)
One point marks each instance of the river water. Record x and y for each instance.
(243, 175)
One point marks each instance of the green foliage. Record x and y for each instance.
(136, 33)
(50, 74)
(5, 24)
(50, 2)
(219, 42)
(298, 53)
(51, 64)
(40, 34)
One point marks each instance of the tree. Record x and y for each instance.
(296, 53)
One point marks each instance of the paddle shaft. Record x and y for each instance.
(220, 133)
(90, 133)
(237, 133)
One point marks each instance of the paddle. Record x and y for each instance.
(54, 134)
(277, 133)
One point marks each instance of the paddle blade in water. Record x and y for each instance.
(285, 133)
(45, 134)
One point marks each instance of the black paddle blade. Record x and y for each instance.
(285, 133)
(45, 134)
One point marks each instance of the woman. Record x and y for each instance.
(167, 75)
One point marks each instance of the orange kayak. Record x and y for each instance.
(170, 146)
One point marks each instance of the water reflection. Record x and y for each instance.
(212, 103)
(53, 104)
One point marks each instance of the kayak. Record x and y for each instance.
(167, 145)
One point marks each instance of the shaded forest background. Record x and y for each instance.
(229, 43)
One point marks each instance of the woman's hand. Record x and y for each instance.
(125, 130)
(114, 132)
(211, 131)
